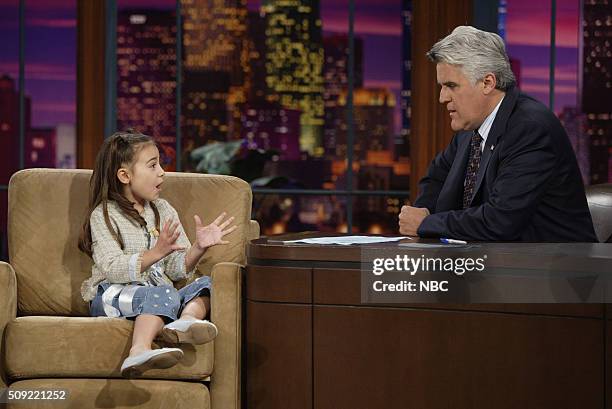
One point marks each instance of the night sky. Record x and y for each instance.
(51, 47)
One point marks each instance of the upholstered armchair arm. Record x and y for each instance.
(226, 310)
(8, 309)
(253, 230)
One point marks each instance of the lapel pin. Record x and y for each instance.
(492, 147)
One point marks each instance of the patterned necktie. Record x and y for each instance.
(472, 169)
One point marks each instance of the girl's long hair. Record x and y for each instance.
(116, 152)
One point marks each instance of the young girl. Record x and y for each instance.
(136, 261)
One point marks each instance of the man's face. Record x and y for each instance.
(465, 102)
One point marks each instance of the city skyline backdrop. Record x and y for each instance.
(273, 75)
(50, 53)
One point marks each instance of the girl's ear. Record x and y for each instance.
(124, 176)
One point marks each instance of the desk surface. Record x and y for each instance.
(513, 273)
(597, 256)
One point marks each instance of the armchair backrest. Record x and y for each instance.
(46, 211)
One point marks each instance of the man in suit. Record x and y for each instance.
(509, 173)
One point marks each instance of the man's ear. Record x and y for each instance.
(124, 176)
(489, 81)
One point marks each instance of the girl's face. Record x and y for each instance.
(143, 178)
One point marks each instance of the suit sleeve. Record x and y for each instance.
(524, 173)
(431, 184)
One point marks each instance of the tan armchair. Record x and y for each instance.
(50, 342)
(599, 198)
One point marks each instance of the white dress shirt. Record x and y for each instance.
(485, 128)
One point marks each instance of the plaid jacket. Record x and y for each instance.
(116, 266)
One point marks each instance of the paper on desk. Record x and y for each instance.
(347, 240)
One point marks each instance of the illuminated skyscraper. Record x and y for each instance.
(40, 148)
(335, 75)
(214, 41)
(65, 153)
(402, 142)
(146, 82)
(256, 68)
(373, 116)
(214, 32)
(597, 85)
(294, 64)
(205, 113)
(268, 126)
(335, 68)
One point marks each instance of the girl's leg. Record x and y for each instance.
(196, 308)
(146, 328)
(190, 328)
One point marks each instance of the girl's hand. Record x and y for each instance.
(166, 242)
(211, 235)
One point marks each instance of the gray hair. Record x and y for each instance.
(477, 52)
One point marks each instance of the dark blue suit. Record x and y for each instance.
(528, 186)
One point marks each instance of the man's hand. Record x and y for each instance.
(410, 218)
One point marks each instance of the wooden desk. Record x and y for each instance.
(310, 343)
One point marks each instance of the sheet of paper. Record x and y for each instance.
(347, 240)
(433, 245)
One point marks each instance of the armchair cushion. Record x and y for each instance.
(120, 393)
(48, 347)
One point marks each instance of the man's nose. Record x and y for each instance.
(444, 96)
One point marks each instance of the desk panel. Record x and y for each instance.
(279, 284)
(609, 365)
(279, 356)
(343, 286)
(439, 359)
(310, 343)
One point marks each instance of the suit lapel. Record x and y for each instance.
(497, 129)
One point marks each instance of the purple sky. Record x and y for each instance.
(50, 56)
(51, 47)
(528, 36)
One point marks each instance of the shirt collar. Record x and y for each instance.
(485, 128)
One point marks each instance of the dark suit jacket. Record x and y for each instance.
(528, 186)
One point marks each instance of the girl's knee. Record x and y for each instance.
(202, 280)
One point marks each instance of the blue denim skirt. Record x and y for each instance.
(164, 301)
